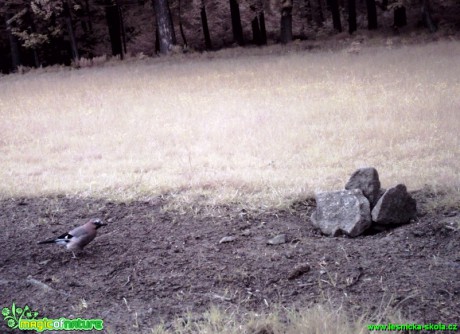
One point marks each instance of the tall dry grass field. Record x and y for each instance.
(255, 130)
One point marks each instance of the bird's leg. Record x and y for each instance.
(74, 256)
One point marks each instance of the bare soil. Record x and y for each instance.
(150, 265)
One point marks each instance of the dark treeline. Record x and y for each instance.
(45, 32)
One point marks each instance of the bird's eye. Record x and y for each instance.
(97, 221)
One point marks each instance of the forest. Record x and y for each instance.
(38, 33)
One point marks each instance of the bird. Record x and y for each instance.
(79, 237)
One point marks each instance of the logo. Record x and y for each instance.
(23, 318)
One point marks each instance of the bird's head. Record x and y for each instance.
(97, 222)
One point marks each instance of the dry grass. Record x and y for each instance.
(254, 130)
(320, 319)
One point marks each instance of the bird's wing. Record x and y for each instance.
(79, 232)
(62, 239)
(81, 236)
(65, 236)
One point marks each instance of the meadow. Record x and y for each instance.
(255, 130)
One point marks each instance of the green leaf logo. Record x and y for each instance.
(13, 315)
(5, 311)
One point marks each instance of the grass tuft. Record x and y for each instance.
(321, 318)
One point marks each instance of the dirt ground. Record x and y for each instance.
(150, 265)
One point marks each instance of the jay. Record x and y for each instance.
(79, 237)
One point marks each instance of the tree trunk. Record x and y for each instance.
(204, 23)
(37, 63)
(157, 40)
(73, 41)
(236, 22)
(336, 15)
(286, 21)
(88, 14)
(123, 30)
(30, 22)
(319, 16)
(14, 46)
(371, 14)
(256, 36)
(351, 16)
(400, 18)
(181, 29)
(112, 15)
(263, 30)
(426, 16)
(317, 13)
(255, 25)
(166, 34)
(309, 11)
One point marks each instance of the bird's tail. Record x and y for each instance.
(59, 241)
(50, 241)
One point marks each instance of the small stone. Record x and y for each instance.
(275, 257)
(299, 270)
(418, 234)
(278, 240)
(227, 239)
(289, 255)
(246, 233)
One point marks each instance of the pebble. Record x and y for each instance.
(278, 240)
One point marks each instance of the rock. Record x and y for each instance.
(366, 179)
(278, 240)
(381, 192)
(299, 270)
(396, 206)
(246, 233)
(289, 255)
(344, 211)
(227, 239)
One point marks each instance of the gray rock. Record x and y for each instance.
(396, 206)
(366, 179)
(344, 211)
(278, 240)
(381, 192)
